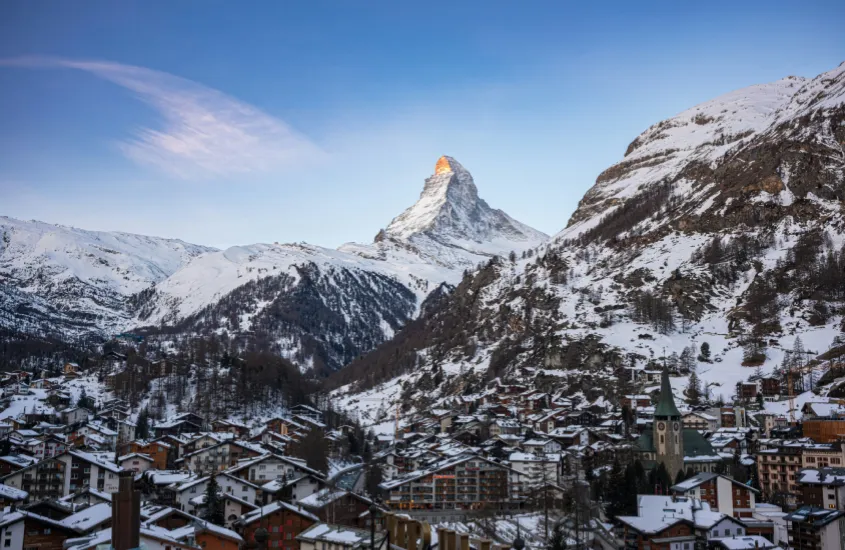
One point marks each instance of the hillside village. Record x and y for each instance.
(667, 372)
(646, 470)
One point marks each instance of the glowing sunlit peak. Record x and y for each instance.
(442, 166)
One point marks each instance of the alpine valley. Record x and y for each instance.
(722, 225)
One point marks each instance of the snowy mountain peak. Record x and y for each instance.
(444, 164)
(450, 212)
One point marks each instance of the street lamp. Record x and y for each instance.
(518, 542)
(373, 511)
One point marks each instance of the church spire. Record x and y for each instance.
(666, 404)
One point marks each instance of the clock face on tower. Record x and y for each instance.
(675, 426)
(661, 426)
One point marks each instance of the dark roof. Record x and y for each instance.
(694, 443)
(818, 517)
(666, 405)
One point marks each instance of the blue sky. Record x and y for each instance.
(229, 123)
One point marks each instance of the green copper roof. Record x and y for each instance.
(694, 443)
(666, 405)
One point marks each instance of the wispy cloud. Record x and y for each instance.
(205, 133)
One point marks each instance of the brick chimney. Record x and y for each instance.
(126, 514)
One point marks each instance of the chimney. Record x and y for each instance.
(126, 514)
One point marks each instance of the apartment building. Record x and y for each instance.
(465, 482)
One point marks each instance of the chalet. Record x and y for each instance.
(308, 412)
(505, 426)
(220, 456)
(286, 426)
(228, 426)
(11, 496)
(85, 470)
(136, 462)
(572, 435)
(159, 452)
(99, 433)
(270, 466)
(88, 497)
(733, 417)
(770, 386)
(635, 402)
(159, 486)
(291, 489)
(41, 480)
(48, 446)
(73, 415)
(816, 528)
(283, 521)
(13, 463)
(823, 487)
(324, 536)
(180, 424)
(70, 369)
(723, 494)
(339, 506)
(542, 446)
(700, 421)
(149, 538)
(24, 529)
(748, 390)
(665, 522)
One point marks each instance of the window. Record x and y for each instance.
(288, 536)
(8, 543)
(47, 531)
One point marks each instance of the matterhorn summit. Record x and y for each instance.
(453, 225)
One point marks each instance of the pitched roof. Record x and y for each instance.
(666, 405)
(259, 513)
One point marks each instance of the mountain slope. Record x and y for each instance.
(322, 307)
(723, 224)
(63, 279)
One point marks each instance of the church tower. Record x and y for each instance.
(668, 430)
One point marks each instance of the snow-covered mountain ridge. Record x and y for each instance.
(724, 224)
(84, 277)
(317, 306)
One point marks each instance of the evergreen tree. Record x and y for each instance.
(619, 484)
(704, 356)
(373, 480)
(142, 426)
(558, 539)
(694, 388)
(640, 480)
(659, 480)
(85, 401)
(214, 512)
(687, 359)
(314, 450)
